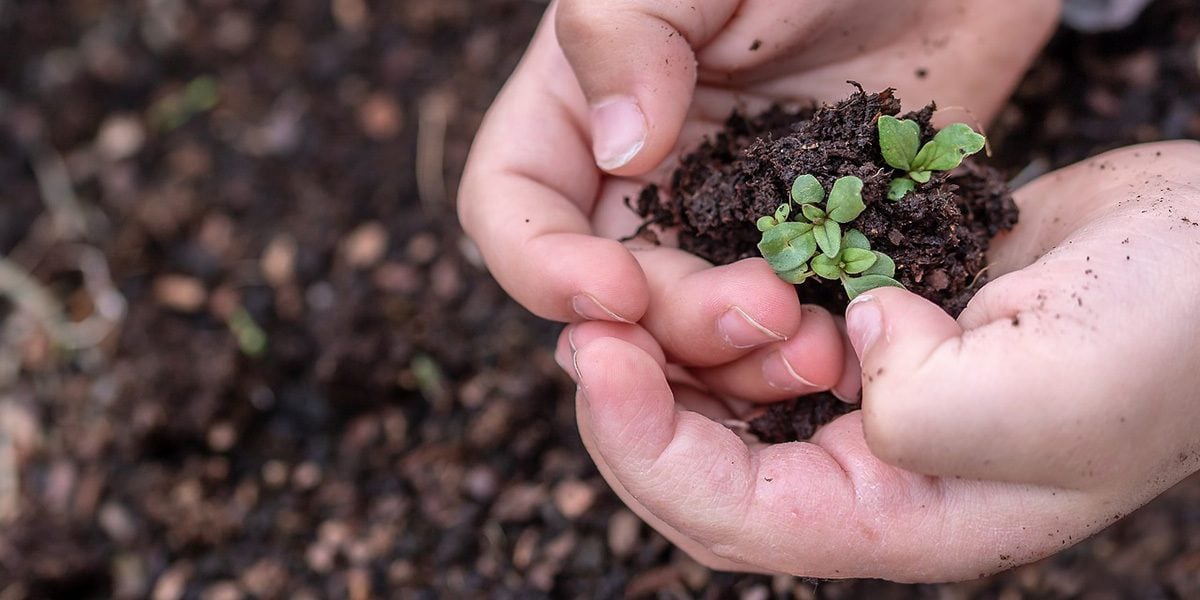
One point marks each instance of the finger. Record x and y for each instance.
(810, 361)
(849, 385)
(1047, 369)
(635, 64)
(829, 509)
(527, 205)
(937, 56)
(576, 335)
(1136, 181)
(704, 315)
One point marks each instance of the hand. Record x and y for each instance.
(1064, 397)
(630, 85)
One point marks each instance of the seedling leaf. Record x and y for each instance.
(948, 148)
(884, 265)
(788, 246)
(845, 200)
(900, 188)
(899, 141)
(826, 267)
(829, 238)
(782, 213)
(857, 260)
(813, 213)
(765, 223)
(920, 176)
(796, 276)
(855, 239)
(807, 190)
(857, 285)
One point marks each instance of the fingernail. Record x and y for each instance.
(779, 374)
(562, 356)
(588, 307)
(561, 362)
(740, 331)
(571, 339)
(864, 323)
(855, 399)
(618, 132)
(579, 387)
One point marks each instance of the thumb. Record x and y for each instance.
(635, 63)
(979, 403)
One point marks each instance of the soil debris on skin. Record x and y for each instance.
(938, 234)
(798, 419)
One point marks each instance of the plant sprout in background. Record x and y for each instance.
(815, 244)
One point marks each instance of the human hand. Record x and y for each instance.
(1064, 397)
(628, 85)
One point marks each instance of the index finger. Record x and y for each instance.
(528, 189)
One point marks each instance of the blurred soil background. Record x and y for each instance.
(247, 353)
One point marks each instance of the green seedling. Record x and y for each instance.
(251, 339)
(816, 237)
(857, 266)
(900, 141)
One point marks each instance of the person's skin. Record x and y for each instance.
(631, 84)
(982, 443)
(1065, 396)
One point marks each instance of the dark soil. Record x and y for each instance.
(799, 419)
(938, 234)
(405, 433)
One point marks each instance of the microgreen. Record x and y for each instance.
(815, 245)
(900, 142)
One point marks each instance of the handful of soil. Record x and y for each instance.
(938, 234)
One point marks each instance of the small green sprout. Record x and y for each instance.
(251, 339)
(900, 142)
(817, 236)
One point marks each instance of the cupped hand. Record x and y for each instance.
(1065, 396)
(610, 93)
